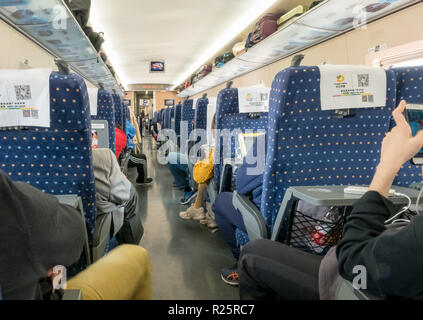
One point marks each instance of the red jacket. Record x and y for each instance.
(121, 142)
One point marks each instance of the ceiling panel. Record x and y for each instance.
(178, 32)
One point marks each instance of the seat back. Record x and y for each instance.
(200, 116)
(57, 160)
(188, 114)
(106, 111)
(409, 88)
(229, 118)
(166, 119)
(119, 115)
(178, 117)
(310, 147)
(172, 118)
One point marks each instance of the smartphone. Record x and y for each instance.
(414, 115)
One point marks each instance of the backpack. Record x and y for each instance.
(223, 59)
(81, 10)
(96, 38)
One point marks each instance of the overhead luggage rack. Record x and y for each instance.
(329, 19)
(51, 25)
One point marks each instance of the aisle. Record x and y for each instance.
(186, 256)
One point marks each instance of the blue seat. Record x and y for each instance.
(166, 119)
(106, 111)
(200, 117)
(119, 111)
(188, 114)
(57, 160)
(229, 118)
(409, 88)
(310, 147)
(172, 118)
(178, 118)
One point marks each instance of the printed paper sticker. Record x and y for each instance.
(25, 98)
(253, 99)
(93, 96)
(352, 87)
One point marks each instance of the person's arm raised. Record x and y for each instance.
(398, 147)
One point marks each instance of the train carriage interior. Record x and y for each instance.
(227, 150)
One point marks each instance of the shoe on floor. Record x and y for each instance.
(230, 276)
(188, 197)
(209, 221)
(146, 181)
(193, 213)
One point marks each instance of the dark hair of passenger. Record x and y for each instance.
(119, 127)
(213, 126)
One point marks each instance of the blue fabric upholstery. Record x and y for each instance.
(119, 111)
(308, 146)
(172, 116)
(188, 114)
(56, 160)
(409, 88)
(106, 111)
(200, 117)
(178, 117)
(167, 118)
(229, 118)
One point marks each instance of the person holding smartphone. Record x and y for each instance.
(393, 259)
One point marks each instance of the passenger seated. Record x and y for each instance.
(39, 233)
(137, 160)
(121, 140)
(203, 173)
(178, 166)
(272, 270)
(115, 195)
(392, 259)
(229, 219)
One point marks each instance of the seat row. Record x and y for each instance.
(305, 146)
(58, 159)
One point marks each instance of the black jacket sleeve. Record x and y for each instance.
(56, 230)
(393, 258)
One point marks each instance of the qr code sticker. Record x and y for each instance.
(34, 114)
(23, 92)
(363, 80)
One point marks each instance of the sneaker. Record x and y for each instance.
(209, 221)
(230, 276)
(188, 197)
(146, 181)
(193, 213)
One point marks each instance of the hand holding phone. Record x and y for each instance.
(414, 116)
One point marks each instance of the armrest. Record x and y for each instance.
(72, 295)
(253, 219)
(76, 202)
(346, 291)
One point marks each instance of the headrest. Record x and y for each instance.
(227, 101)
